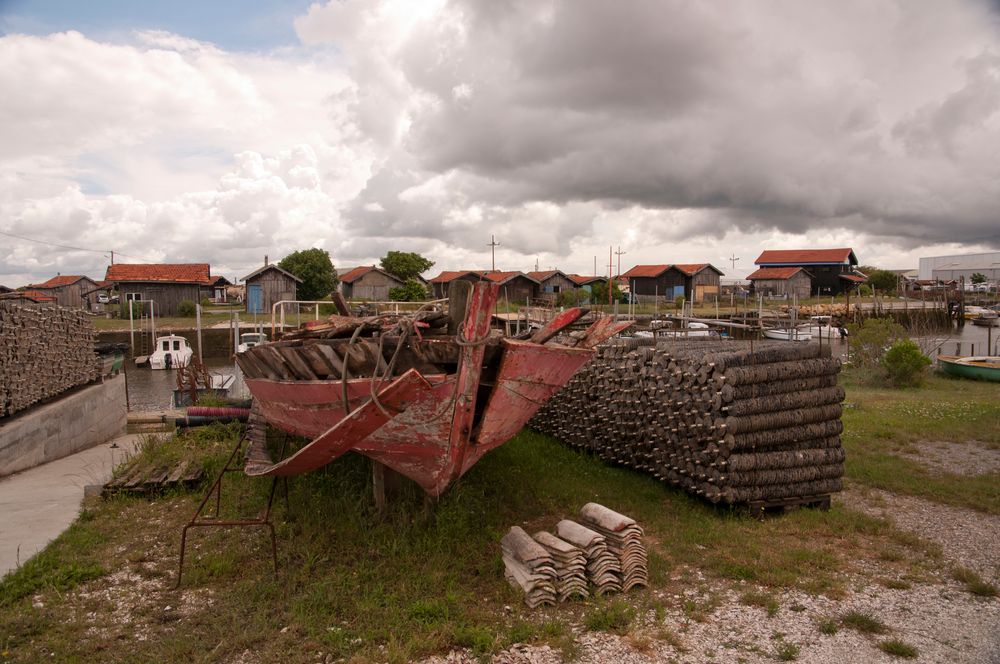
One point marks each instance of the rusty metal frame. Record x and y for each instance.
(200, 521)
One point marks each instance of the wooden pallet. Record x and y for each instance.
(143, 479)
(760, 508)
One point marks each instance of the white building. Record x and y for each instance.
(947, 268)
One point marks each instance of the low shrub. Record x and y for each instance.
(186, 309)
(905, 364)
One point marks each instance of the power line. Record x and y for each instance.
(71, 247)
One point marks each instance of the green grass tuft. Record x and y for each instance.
(828, 626)
(786, 651)
(898, 648)
(973, 582)
(863, 622)
(614, 616)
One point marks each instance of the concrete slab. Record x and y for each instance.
(40, 503)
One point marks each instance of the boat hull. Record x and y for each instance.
(788, 335)
(976, 368)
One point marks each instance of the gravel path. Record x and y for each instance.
(940, 618)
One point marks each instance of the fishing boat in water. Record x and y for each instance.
(978, 367)
(425, 395)
(787, 334)
(172, 352)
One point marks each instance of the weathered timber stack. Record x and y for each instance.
(44, 351)
(731, 422)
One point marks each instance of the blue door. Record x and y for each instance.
(255, 299)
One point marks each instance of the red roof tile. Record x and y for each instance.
(542, 275)
(501, 277)
(446, 276)
(691, 269)
(61, 280)
(775, 273)
(33, 295)
(184, 273)
(646, 271)
(356, 273)
(581, 280)
(806, 256)
(853, 277)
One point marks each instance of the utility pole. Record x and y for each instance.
(733, 260)
(493, 250)
(595, 266)
(611, 266)
(619, 255)
(112, 256)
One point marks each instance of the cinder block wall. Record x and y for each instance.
(83, 418)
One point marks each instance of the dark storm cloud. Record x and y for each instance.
(879, 117)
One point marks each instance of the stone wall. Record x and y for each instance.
(80, 419)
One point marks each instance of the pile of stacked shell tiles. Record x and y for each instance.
(43, 351)
(733, 422)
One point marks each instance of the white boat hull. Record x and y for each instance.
(788, 335)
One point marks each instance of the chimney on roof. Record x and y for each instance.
(265, 260)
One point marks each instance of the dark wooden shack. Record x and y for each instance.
(368, 283)
(69, 290)
(551, 283)
(515, 287)
(440, 283)
(267, 285)
(701, 281)
(781, 281)
(649, 281)
(831, 270)
(165, 284)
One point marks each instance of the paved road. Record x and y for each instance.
(38, 504)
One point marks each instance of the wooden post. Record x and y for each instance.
(197, 323)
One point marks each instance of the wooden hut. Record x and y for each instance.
(68, 290)
(515, 287)
(368, 283)
(782, 281)
(831, 270)
(441, 282)
(165, 284)
(551, 283)
(267, 285)
(701, 281)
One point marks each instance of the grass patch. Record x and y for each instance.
(762, 600)
(786, 651)
(863, 622)
(828, 626)
(884, 421)
(898, 648)
(421, 581)
(614, 616)
(973, 582)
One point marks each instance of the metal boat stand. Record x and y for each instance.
(199, 520)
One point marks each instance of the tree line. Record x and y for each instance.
(319, 278)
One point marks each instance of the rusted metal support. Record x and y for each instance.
(198, 520)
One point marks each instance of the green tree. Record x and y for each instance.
(412, 291)
(978, 278)
(881, 280)
(599, 292)
(315, 269)
(405, 264)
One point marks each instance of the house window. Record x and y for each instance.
(133, 297)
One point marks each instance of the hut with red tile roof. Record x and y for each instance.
(165, 284)
(831, 270)
(69, 290)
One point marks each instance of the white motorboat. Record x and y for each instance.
(171, 352)
(250, 339)
(821, 326)
(782, 334)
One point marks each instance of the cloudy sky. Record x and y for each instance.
(680, 131)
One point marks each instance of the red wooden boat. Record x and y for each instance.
(427, 406)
